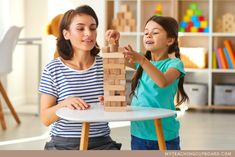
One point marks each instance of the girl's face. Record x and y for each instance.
(82, 32)
(155, 38)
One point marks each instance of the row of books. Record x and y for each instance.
(224, 58)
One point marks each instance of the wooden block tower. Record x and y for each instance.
(114, 78)
(124, 22)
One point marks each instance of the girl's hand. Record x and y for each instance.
(133, 56)
(75, 103)
(101, 99)
(112, 34)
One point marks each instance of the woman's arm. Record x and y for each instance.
(161, 79)
(49, 107)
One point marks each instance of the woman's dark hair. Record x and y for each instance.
(170, 25)
(64, 46)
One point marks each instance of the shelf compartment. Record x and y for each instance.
(193, 19)
(218, 42)
(220, 8)
(122, 15)
(148, 8)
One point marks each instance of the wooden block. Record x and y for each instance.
(132, 22)
(117, 82)
(127, 28)
(124, 103)
(108, 81)
(106, 72)
(105, 49)
(123, 72)
(121, 49)
(115, 109)
(115, 71)
(124, 8)
(119, 28)
(121, 61)
(112, 60)
(113, 47)
(115, 22)
(112, 76)
(122, 22)
(120, 15)
(120, 93)
(128, 15)
(122, 82)
(105, 61)
(113, 55)
(114, 87)
(133, 28)
(107, 103)
(114, 66)
(115, 98)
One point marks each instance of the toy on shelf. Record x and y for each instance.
(194, 57)
(124, 21)
(158, 10)
(226, 23)
(194, 21)
(114, 77)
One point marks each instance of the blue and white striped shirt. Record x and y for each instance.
(62, 82)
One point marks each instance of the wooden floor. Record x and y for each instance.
(200, 130)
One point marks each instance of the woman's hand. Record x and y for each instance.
(133, 56)
(75, 103)
(112, 34)
(101, 99)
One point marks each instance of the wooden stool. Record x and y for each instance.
(13, 112)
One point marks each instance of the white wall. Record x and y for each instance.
(13, 11)
(36, 12)
(34, 15)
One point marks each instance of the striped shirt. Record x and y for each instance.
(62, 82)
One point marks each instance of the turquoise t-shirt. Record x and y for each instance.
(149, 94)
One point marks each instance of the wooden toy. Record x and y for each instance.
(124, 21)
(114, 78)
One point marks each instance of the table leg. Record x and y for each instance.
(84, 137)
(160, 135)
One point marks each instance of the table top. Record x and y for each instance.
(96, 113)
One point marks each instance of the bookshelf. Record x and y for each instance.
(210, 39)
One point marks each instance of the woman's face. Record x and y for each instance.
(155, 37)
(82, 32)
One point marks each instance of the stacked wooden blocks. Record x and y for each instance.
(124, 22)
(226, 23)
(114, 78)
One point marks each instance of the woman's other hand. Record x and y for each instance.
(75, 103)
(112, 34)
(101, 99)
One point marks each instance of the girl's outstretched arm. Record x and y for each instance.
(161, 79)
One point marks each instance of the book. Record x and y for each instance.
(222, 58)
(218, 58)
(231, 54)
(214, 61)
(230, 65)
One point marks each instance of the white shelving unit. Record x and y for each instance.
(211, 9)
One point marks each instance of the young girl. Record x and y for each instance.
(156, 82)
(75, 80)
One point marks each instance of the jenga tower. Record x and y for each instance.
(114, 78)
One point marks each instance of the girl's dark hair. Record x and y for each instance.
(64, 46)
(170, 25)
